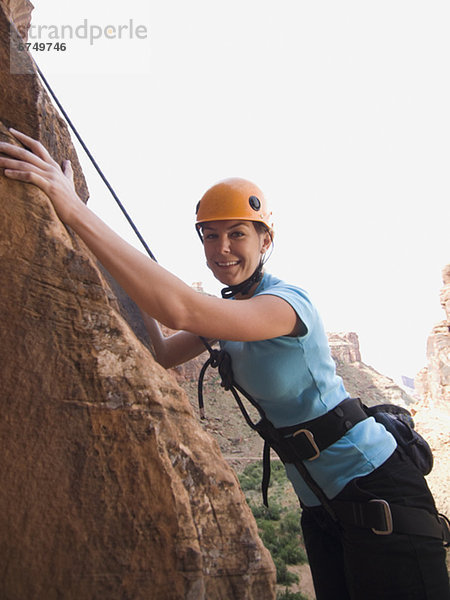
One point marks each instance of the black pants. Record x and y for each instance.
(350, 563)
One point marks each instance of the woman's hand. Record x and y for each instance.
(36, 166)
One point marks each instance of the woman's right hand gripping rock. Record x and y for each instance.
(33, 164)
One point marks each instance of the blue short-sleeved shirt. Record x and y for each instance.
(294, 380)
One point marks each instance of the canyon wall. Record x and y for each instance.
(109, 488)
(433, 381)
(433, 410)
(362, 380)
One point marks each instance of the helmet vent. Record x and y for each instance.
(197, 207)
(254, 202)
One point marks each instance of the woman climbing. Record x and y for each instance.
(367, 513)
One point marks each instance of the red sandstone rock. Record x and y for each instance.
(19, 13)
(109, 488)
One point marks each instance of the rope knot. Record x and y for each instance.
(222, 361)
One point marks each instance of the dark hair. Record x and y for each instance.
(261, 227)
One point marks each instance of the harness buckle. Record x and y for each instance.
(310, 437)
(386, 512)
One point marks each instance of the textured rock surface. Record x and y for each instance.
(433, 382)
(23, 103)
(19, 13)
(345, 347)
(445, 292)
(434, 425)
(109, 488)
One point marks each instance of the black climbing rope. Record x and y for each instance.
(93, 161)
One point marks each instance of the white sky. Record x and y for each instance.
(339, 111)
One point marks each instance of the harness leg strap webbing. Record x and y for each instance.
(384, 518)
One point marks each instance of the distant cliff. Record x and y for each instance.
(433, 410)
(362, 380)
(109, 487)
(433, 381)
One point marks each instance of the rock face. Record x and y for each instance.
(19, 13)
(433, 382)
(109, 488)
(433, 410)
(434, 425)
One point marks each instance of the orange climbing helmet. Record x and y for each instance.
(234, 199)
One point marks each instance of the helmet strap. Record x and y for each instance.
(244, 286)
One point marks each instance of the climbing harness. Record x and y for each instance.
(298, 444)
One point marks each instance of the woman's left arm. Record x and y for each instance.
(157, 291)
(174, 349)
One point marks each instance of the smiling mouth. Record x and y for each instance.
(230, 263)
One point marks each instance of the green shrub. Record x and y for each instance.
(253, 469)
(284, 577)
(279, 525)
(248, 483)
(269, 536)
(270, 513)
(291, 552)
(250, 478)
(291, 522)
(278, 473)
(282, 541)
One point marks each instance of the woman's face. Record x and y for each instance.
(233, 249)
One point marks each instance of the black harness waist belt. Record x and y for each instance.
(306, 441)
(311, 437)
